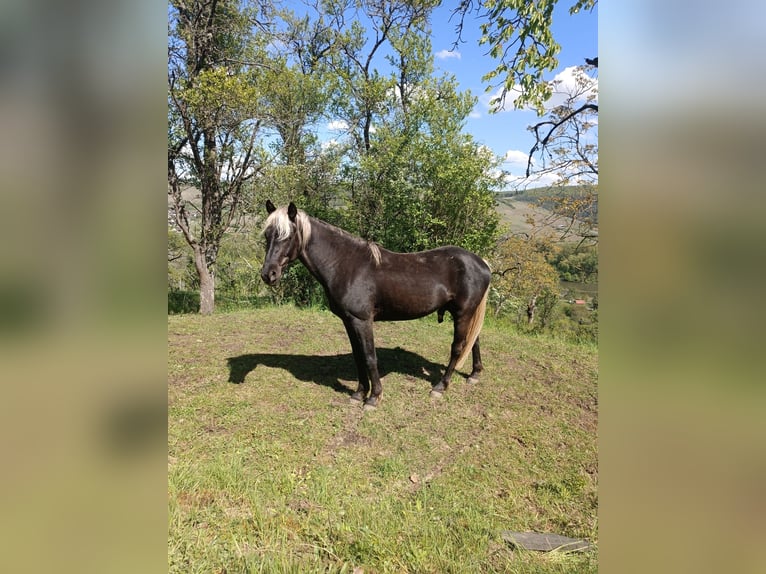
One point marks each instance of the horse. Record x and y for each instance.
(365, 283)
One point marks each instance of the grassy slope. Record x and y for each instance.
(279, 473)
(516, 209)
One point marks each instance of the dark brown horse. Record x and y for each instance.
(366, 283)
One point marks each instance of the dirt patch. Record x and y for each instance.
(348, 436)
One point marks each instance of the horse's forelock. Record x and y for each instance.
(281, 223)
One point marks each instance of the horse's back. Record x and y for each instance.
(461, 265)
(410, 285)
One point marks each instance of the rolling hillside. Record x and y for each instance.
(519, 210)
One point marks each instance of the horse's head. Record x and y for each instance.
(285, 232)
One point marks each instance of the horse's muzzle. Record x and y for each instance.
(271, 276)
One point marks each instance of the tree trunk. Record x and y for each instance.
(531, 306)
(206, 283)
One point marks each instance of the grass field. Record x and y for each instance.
(272, 469)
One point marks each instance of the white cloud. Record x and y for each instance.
(513, 175)
(515, 156)
(520, 182)
(445, 54)
(572, 82)
(567, 83)
(413, 92)
(474, 115)
(337, 125)
(330, 144)
(507, 105)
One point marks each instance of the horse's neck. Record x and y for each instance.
(325, 248)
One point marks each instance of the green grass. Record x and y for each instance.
(278, 472)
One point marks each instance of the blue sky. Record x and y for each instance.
(506, 131)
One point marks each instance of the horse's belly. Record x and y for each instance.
(400, 314)
(409, 306)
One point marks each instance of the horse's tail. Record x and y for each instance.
(474, 328)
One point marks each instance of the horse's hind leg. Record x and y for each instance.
(458, 343)
(477, 366)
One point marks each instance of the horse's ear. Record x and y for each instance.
(270, 207)
(292, 211)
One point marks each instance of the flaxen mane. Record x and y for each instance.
(280, 221)
(374, 252)
(282, 225)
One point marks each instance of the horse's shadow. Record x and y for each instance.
(331, 370)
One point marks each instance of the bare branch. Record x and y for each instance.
(554, 124)
(463, 9)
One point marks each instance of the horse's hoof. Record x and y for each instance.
(472, 380)
(369, 407)
(436, 394)
(355, 399)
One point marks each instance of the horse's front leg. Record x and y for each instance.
(366, 360)
(361, 366)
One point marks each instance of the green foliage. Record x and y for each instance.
(424, 183)
(214, 117)
(519, 35)
(182, 302)
(546, 305)
(582, 5)
(526, 283)
(576, 323)
(299, 287)
(238, 280)
(522, 278)
(576, 264)
(181, 273)
(249, 77)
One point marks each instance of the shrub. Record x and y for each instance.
(180, 302)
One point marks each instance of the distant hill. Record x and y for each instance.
(545, 190)
(516, 208)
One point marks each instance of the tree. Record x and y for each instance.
(414, 179)
(566, 146)
(359, 57)
(433, 184)
(518, 33)
(298, 96)
(574, 264)
(247, 89)
(519, 36)
(213, 123)
(522, 277)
